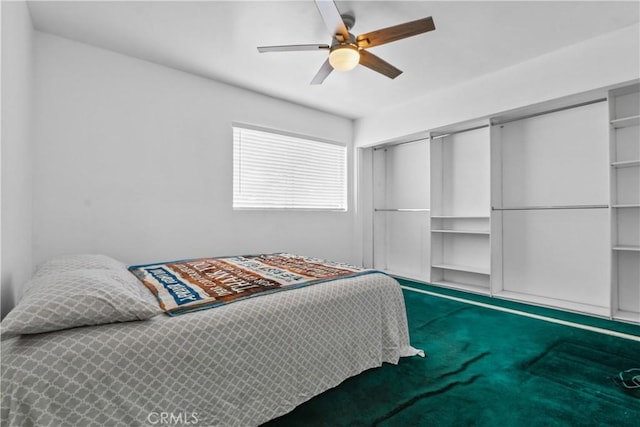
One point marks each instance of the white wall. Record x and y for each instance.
(135, 160)
(596, 63)
(17, 151)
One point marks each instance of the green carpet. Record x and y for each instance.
(486, 368)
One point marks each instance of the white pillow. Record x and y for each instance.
(79, 298)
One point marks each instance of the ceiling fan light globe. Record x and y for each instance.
(344, 58)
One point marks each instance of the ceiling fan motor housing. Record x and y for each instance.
(349, 20)
(336, 42)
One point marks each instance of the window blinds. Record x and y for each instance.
(278, 171)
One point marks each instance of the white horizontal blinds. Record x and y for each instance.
(276, 171)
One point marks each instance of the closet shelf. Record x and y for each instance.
(462, 232)
(627, 205)
(533, 208)
(399, 210)
(468, 269)
(625, 163)
(626, 248)
(458, 217)
(625, 122)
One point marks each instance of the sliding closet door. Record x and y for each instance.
(554, 209)
(401, 209)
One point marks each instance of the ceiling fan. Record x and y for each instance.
(346, 50)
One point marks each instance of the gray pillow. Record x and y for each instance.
(79, 298)
(73, 262)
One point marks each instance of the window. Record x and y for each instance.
(274, 170)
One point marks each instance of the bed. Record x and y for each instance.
(240, 364)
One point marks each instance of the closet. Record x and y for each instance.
(539, 205)
(401, 242)
(551, 203)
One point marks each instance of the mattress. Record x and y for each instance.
(236, 365)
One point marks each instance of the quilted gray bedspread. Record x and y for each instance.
(237, 365)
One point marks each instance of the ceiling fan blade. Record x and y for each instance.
(332, 19)
(292, 47)
(381, 66)
(323, 72)
(397, 32)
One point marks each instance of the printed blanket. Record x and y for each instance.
(197, 284)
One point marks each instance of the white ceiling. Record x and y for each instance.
(218, 40)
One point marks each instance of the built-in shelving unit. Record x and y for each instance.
(624, 113)
(460, 220)
(540, 205)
